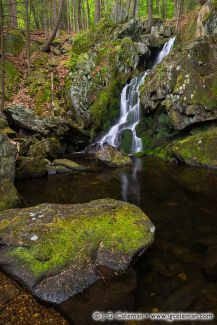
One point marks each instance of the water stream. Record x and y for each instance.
(130, 107)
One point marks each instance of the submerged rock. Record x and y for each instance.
(70, 245)
(112, 157)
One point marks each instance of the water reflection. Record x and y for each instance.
(179, 272)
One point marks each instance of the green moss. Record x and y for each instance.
(162, 153)
(197, 150)
(84, 41)
(126, 141)
(105, 108)
(8, 195)
(12, 76)
(14, 41)
(77, 237)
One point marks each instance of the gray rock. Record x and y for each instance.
(70, 245)
(133, 29)
(112, 157)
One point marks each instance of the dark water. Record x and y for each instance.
(179, 272)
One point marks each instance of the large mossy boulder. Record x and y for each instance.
(184, 85)
(12, 77)
(112, 157)
(8, 153)
(197, 150)
(14, 41)
(47, 148)
(8, 195)
(28, 167)
(71, 246)
(28, 122)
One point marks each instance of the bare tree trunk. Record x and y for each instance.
(34, 15)
(2, 56)
(150, 13)
(27, 33)
(97, 11)
(47, 45)
(158, 6)
(135, 8)
(88, 13)
(164, 9)
(13, 12)
(79, 17)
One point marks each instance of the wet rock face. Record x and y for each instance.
(184, 84)
(69, 244)
(112, 157)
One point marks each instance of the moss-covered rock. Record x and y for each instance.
(66, 244)
(197, 150)
(69, 164)
(126, 141)
(184, 85)
(12, 77)
(8, 195)
(47, 148)
(112, 157)
(8, 153)
(31, 167)
(14, 41)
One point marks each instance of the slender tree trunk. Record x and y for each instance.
(97, 11)
(13, 12)
(135, 8)
(79, 16)
(164, 9)
(37, 25)
(88, 13)
(2, 56)
(47, 45)
(150, 13)
(27, 33)
(158, 6)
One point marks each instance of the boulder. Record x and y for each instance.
(8, 153)
(22, 118)
(197, 150)
(207, 20)
(133, 29)
(71, 246)
(8, 195)
(69, 164)
(46, 148)
(112, 157)
(184, 84)
(28, 167)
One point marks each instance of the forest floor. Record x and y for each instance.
(19, 307)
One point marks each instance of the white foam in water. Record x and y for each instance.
(130, 107)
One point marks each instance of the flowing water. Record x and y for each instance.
(178, 272)
(130, 108)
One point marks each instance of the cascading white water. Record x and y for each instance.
(130, 107)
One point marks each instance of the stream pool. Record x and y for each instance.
(179, 271)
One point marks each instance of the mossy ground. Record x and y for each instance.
(76, 235)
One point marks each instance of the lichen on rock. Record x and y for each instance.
(65, 244)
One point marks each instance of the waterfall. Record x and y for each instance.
(130, 107)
